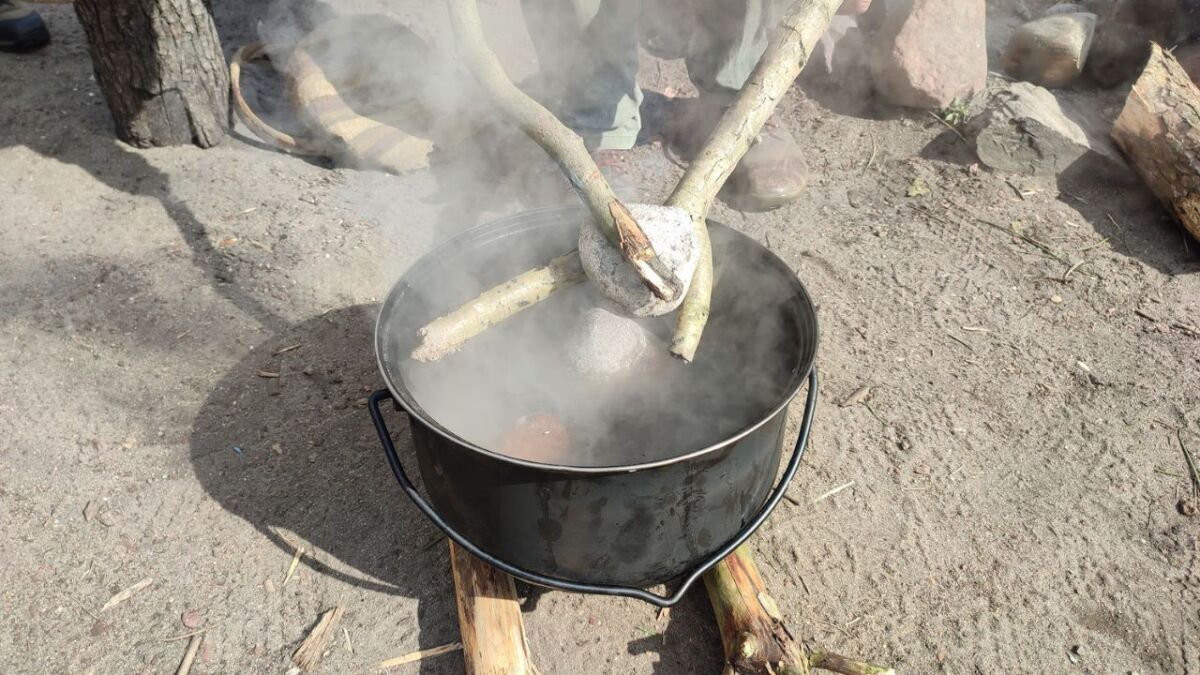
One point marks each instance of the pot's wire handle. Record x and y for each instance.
(777, 493)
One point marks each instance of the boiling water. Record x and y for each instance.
(659, 409)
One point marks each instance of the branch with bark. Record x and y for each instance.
(755, 638)
(566, 148)
(1159, 130)
(787, 53)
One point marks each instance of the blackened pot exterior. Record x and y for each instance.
(624, 528)
(634, 525)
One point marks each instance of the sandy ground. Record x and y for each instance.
(1015, 470)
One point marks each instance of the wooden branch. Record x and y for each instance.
(787, 53)
(785, 57)
(752, 630)
(1159, 130)
(276, 138)
(447, 333)
(489, 618)
(756, 640)
(566, 148)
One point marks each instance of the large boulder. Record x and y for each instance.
(926, 53)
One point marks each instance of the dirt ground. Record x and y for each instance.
(1015, 468)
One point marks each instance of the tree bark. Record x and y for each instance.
(752, 630)
(489, 618)
(1159, 130)
(160, 67)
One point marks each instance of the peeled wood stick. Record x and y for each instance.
(566, 148)
(489, 618)
(786, 55)
(447, 333)
(189, 656)
(752, 631)
(788, 51)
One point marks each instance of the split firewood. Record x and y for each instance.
(310, 651)
(489, 618)
(1159, 130)
(1051, 51)
(752, 631)
(786, 55)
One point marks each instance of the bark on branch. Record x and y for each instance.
(787, 53)
(756, 640)
(566, 148)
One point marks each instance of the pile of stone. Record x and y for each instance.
(1026, 128)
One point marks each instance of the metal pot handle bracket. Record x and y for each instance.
(810, 406)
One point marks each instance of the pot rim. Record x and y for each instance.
(415, 411)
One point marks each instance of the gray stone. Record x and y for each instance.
(926, 53)
(1027, 129)
(1051, 51)
(669, 230)
(603, 345)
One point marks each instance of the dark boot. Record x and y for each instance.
(772, 173)
(21, 28)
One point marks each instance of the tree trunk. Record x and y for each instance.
(1159, 130)
(160, 67)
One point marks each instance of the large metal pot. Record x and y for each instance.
(599, 529)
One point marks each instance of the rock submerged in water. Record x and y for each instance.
(604, 345)
(540, 437)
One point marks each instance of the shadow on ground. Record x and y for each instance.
(296, 457)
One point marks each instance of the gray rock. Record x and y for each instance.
(1026, 129)
(603, 345)
(670, 232)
